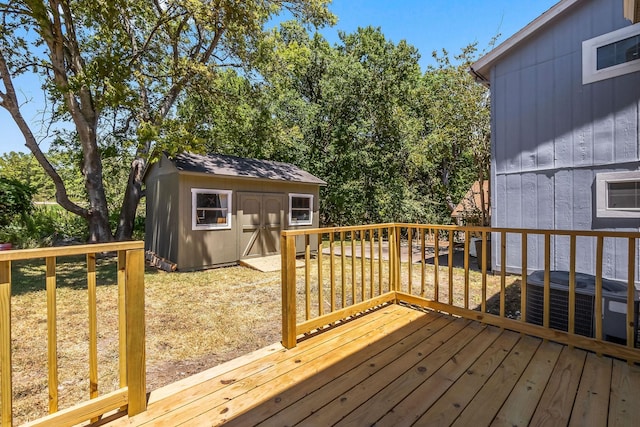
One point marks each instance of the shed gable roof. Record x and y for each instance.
(241, 167)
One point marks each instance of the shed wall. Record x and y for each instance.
(163, 199)
(205, 248)
(552, 134)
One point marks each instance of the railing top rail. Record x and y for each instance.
(587, 233)
(24, 254)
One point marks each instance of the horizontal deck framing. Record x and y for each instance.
(399, 366)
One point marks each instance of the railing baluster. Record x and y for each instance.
(390, 252)
(307, 276)
(598, 301)
(93, 326)
(353, 267)
(503, 271)
(450, 262)
(371, 261)
(343, 277)
(436, 264)
(410, 259)
(332, 272)
(422, 263)
(320, 278)
(631, 294)
(6, 388)
(363, 236)
(52, 334)
(547, 280)
(467, 236)
(523, 278)
(122, 316)
(134, 300)
(380, 237)
(572, 284)
(483, 303)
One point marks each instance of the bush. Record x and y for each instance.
(47, 225)
(15, 201)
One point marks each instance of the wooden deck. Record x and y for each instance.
(399, 366)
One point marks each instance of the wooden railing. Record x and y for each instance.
(130, 277)
(333, 285)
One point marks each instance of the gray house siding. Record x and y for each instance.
(551, 135)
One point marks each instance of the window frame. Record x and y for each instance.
(602, 194)
(293, 222)
(590, 72)
(194, 209)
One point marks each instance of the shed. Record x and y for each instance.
(565, 145)
(213, 210)
(471, 204)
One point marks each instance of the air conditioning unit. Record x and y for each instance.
(614, 307)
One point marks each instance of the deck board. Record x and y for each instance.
(522, 402)
(397, 366)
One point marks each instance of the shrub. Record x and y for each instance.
(15, 200)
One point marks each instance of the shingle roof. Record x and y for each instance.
(223, 165)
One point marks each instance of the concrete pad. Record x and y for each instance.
(267, 263)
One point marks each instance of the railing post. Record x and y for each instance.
(136, 359)
(6, 389)
(288, 274)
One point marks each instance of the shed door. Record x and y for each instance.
(261, 217)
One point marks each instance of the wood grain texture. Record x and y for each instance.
(6, 388)
(52, 334)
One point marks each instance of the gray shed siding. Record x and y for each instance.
(552, 134)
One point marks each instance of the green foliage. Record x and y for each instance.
(114, 70)
(393, 144)
(46, 225)
(15, 201)
(25, 169)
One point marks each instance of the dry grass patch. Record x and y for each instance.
(193, 321)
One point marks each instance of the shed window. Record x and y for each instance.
(618, 195)
(300, 209)
(211, 209)
(612, 54)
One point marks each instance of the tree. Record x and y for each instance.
(454, 149)
(115, 69)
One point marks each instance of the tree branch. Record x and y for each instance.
(9, 101)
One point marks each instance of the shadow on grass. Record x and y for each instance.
(71, 272)
(511, 301)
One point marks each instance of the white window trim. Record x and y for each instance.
(602, 179)
(590, 72)
(194, 223)
(306, 196)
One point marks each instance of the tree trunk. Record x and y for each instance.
(132, 197)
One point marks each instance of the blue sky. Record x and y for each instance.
(426, 24)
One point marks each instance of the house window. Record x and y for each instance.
(612, 54)
(618, 195)
(300, 209)
(211, 209)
